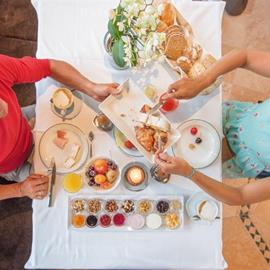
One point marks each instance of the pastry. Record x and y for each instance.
(196, 70)
(153, 131)
(208, 60)
(161, 27)
(194, 52)
(175, 46)
(145, 137)
(168, 14)
(174, 29)
(184, 63)
(161, 138)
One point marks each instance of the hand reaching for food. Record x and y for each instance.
(3, 108)
(35, 186)
(185, 88)
(101, 90)
(172, 165)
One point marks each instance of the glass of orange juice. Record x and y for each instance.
(72, 182)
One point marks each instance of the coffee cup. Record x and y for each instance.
(62, 98)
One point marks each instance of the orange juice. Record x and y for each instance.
(72, 182)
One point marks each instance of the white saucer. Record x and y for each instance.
(205, 153)
(192, 204)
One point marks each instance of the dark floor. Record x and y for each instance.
(18, 34)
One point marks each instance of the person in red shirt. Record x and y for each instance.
(16, 141)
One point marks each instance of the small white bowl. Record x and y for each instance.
(97, 189)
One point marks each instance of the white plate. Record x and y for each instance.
(205, 153)
(48, 150)
(120, 142)
(123, 111)
(192, 203)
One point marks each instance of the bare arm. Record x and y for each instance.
(68, 75)
(10, 191)
(253, 60)
(246, 194)
(34, 187)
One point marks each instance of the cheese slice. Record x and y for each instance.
(75, 148)
(69, 162)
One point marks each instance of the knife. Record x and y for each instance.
(52, 182)
(156, 107)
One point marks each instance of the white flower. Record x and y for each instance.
(149, 10)
(121, 26)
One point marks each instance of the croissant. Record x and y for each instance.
(145, 137)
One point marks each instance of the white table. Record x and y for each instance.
(73, 30)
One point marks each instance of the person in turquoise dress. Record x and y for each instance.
(246, 127)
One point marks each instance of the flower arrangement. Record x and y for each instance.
(134, 39)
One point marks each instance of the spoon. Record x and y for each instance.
(91, 138)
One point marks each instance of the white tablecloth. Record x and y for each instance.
(73, 30)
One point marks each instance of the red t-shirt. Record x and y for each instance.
(15, 134)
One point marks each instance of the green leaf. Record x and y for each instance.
(118, 53)
(113, 30)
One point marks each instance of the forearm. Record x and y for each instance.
(220, 191)
(68, 75)
(234, 59)
(10, 191)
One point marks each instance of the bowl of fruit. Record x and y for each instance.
(102, 175)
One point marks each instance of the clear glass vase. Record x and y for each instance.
(107, 43)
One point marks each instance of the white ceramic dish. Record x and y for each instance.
(126, 227)
(48, 150)
(192, 206)
(124, 110)
(205, 153)
(97, 189)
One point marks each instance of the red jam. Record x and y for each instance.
(119, 219)
(105, 220)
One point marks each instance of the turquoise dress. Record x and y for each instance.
(247, 128)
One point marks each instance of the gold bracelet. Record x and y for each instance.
(191, 174)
